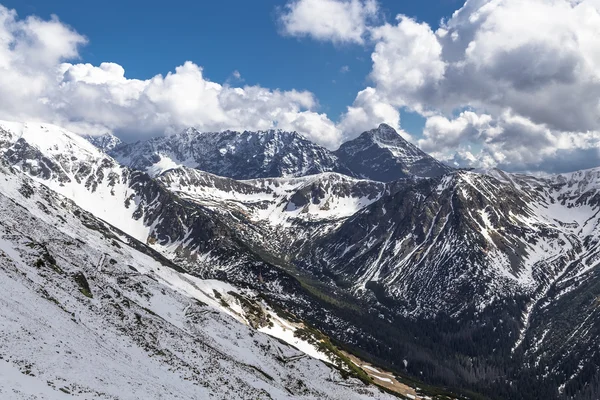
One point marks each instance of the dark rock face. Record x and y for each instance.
(383, 155)
(430, 238)
(245, 155)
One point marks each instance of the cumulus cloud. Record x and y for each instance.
(339, 21)
(539, 58)
(30, 53)
(367, 112)
(37, 83)
(102, 95)
(527, 72)
(442, 133)
(510, 142)
(406, 61)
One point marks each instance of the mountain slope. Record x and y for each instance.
(129, 200)
(86, 315)
(72, 166)
(383, 155)
(279, 214)
(245, 155)
(484, 259)
(464, 227)
(479, 281)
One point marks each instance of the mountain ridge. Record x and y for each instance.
(465, 279)
(276, 153)
(105, 142)
(238, 155)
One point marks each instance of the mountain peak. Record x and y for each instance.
(105, 142)
(385, 135)
(385, 128)
(47, 138)
(383, 154)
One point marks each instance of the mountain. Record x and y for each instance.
(383, 155)
(238, 155)
(487, 264)
(129, 200)
(380, 154)
(484, 283)
(277, 214)
(106, 142)
(88, 312)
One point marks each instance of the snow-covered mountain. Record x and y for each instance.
(480, 281)
(383, 155)
(87, 315)
(129, 200)
(498, 251)
(519, 233)
(238, 155)
(278, 214)
(106, 142)
(72, 166)
(380, 154)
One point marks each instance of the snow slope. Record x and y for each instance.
(278, 201)
(73, 167)
(84, 315)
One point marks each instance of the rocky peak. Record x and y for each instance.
(382, 154)
(105, 142)
(386, 134)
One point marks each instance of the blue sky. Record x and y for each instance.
(151, 37)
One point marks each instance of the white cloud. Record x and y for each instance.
(30, 51)
(539, 58)
(442, 133)
(527, 71)
(406, 60)
(367, 112)
(103, 96)
(510, 142)
(339, 21)
(37, 84)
